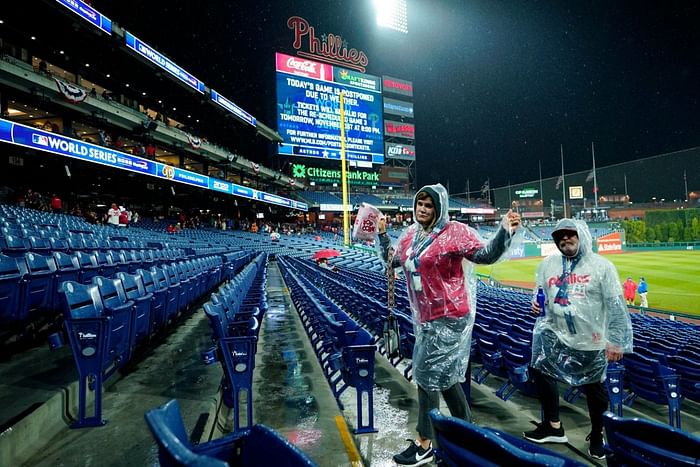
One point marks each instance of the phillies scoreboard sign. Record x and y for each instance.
(22, 135)
(308, 111)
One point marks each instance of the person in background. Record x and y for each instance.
(643, 289)
(630, 290)
(123, 217)
(56, 204)
(113, 215)
(437, 257)
(586, 325)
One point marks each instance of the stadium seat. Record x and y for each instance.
(258, 445)
(462, 443)
(639, 442)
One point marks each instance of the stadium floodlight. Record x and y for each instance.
(392, 14)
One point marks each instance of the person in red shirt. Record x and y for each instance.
(436, 255)
(630, 290)
(56, 204)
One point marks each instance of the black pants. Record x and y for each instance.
(429, 400)
(596, 397)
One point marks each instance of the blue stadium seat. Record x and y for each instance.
(15, 246)
(172, 302)
(159, 317)
(462, 443)
(256, 446)
(88, 331)
(58, 244)
(143, 301)
(122, 338)
(41, 271)
(689, 371)
(639, 442)
(107, 266)
(88, 266)
(11, 289)
(652, 380)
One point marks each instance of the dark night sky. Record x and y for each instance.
(499, 84)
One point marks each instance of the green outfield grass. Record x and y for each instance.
(673, 276)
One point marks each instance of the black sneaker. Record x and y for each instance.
(414, 455)
(595, 449)
(545, 433)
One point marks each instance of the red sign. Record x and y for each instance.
(611, 243)
(398, 86)
(302, 67)
(399, 129)
(330, 47)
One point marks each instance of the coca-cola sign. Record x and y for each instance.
(303, 67)
(331, 48)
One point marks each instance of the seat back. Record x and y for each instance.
(11, 288)
(174, 449)
(640, 442)
(263, 446)
(463, 443)
(81, 301)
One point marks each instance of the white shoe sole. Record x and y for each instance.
(420, 462)
(548, 439)
(596, 457)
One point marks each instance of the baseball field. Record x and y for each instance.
(673, 276)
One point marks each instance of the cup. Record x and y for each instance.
(365, 227)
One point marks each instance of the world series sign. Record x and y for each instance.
(26, 136)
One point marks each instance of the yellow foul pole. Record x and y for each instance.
(346, 214)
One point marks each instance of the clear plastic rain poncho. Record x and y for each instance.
(438, 264)
(585, 311)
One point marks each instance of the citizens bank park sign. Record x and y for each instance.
(327, 176)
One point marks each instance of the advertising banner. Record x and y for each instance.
(89, 14)
(397, 86)
(394, 175)
(308, 111)
(397, 107)
(405, 152)
(399, 129)
(322, 176)
(611, 243)
(233, 108)
(34, 138)
(162, 61)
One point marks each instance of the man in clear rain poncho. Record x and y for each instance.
(437, 257)
(585, 324)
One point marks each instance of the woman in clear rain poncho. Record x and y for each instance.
(585, 324)
(437, 255)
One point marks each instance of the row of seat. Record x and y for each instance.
(107, 319)
(630, 442)
(344, 349)
(30, 284)
(234, 314)
(358, 295)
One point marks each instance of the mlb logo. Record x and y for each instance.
(40, 139)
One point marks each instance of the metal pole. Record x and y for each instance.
(539, 163)
(595, 180)
(563, 182)
(469, 199)
(344, 175)
(685, 182)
